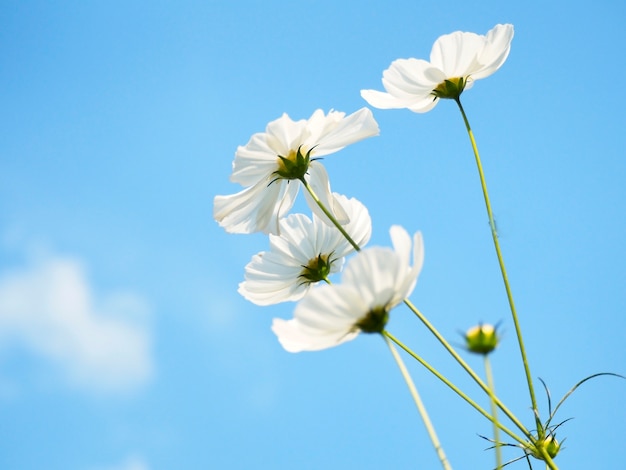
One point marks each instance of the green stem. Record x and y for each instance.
(494, 412)
(549, 462)
(467, 368)
(420, 406)
(454, 388)
(432, 329)
(509, 294)
(329, 214)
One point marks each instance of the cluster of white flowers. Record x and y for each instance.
(303, 252)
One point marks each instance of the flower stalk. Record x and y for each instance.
(507, 286)
(420, 405)
(329, 214)
(467, 368)
(429, 325)
(453, 387)
(494, 411)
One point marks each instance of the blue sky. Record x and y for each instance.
(123, 342)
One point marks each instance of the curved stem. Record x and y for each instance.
(420, 406)
(496, 243)
(467, 368)
(454, 388)
(494, 412)
(329, 214)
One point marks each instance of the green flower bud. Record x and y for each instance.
(481, 339)
(549, 443)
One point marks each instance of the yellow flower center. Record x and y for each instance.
(450, 88)
(317, 269)
(293, 166)
(291, 157)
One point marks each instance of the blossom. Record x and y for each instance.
(375, 280)
(273, 163)
(304, 253)
(456, 61)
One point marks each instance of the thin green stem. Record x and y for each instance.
(329, 214)
(454, 388)
(494, 412)
(496, 243)
(467, 368)
(432, 329)
(549, 462)
(420, 406)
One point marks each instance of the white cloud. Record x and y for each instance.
(101, 345)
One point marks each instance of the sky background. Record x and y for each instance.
(123, 342)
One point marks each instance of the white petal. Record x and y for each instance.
(326, 317)
(254, 162)
(384, 276)
(271, 279)
(456, 54)
(411, 78)
(409, 84)
(296, 240)
(404, 290)
(284, 135)
(257, 208)
(382, 100)
(401, 242)
(294, 340)
(496, 50)
(359, 227)
(418, 251)
(376, 274)
(318, 180)
(337, 133)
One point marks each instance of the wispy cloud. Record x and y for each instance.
(101, 343)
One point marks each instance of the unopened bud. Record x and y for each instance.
(549, 444)
(481, 339)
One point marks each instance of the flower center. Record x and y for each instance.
(317, 269)
(374, 321)
(293, 166)
(450, 88)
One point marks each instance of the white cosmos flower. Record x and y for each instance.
(456, 60)
(271, 164)
(304, 253)
(375, 280)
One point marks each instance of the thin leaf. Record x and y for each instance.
(566, 396)
(549, 398)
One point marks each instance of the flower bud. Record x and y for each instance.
(481, 339)
(549, 443)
